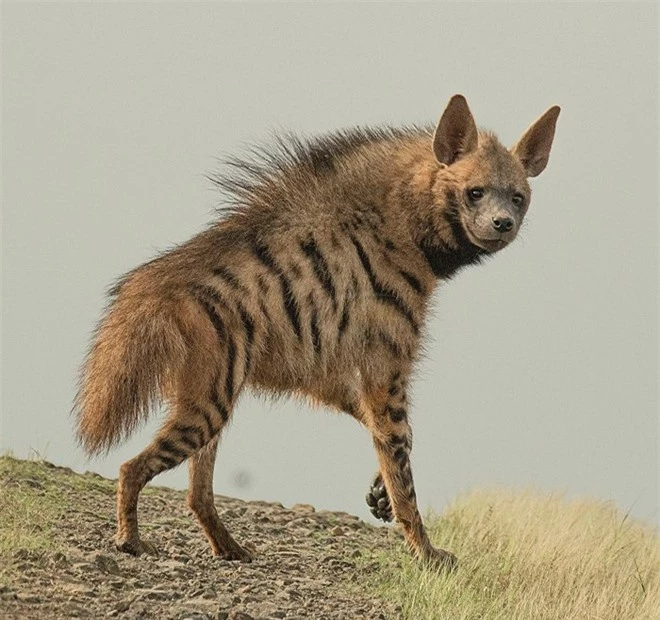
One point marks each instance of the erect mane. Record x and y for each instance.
(290, 154)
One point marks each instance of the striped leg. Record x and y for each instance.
(189, 428)
(200, 500)
(217, 367)
(386, 416)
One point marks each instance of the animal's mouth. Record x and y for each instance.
(490, 245)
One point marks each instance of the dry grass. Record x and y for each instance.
(529, 556)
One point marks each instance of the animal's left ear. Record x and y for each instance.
(533, 149)
(456, 133)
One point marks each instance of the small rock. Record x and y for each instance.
(107, 564)
(76, 590)
(29, 598)
(239, 615)
(292, 593)
(303, 508)
(122, 606)
(21, 554)
(33, 483)
(338, 530)
(58, 559)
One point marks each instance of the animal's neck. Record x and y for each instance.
(434, 220)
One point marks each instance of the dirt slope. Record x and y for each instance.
(309, 564)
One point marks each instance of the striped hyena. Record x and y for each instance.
(316, 283)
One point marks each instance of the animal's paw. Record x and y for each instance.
(440, 560)
(135, 546)
(236, 553)
(378, 500)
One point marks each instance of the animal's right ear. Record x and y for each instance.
(533, 149)
(456, 133)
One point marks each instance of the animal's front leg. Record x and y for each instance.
(386, 414)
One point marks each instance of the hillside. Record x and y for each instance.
(57, 559)
(523, 556)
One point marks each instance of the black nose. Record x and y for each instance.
(502, 223)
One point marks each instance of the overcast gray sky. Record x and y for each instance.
(542, 368)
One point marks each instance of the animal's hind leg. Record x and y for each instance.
(190, 427)
(200, 500)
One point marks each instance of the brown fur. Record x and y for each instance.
(316, 283)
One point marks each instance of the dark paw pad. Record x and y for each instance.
(379, 502)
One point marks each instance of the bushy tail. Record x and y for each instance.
(138, 347)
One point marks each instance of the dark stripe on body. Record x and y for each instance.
(231, 279)
(345, 315)
(314, 329)
(248, 327)
(217, 403)
(184, 433)
(397, 440)
(216, 320)
(401, 456)
(381, 291)
(291, 305)
(415, 284)
(289, 300)
(390, 343)
(397, 414)
(321, 268)
(231, 362)
(343, 324)
(263, 254)
(172, 449)
(211, 430)
(168, 461)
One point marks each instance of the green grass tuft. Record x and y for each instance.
(30, 504)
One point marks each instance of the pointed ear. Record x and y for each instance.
(533, 149)
(456, 133)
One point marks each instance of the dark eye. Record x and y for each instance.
(476, 193)
(518, 199)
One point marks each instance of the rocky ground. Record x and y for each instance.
(309, 564)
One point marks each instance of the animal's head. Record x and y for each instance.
(488, 182)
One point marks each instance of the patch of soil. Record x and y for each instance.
(308, 563)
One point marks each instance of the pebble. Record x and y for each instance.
(122, 606)
(107, 564)
(303, 508)
(29, 598)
